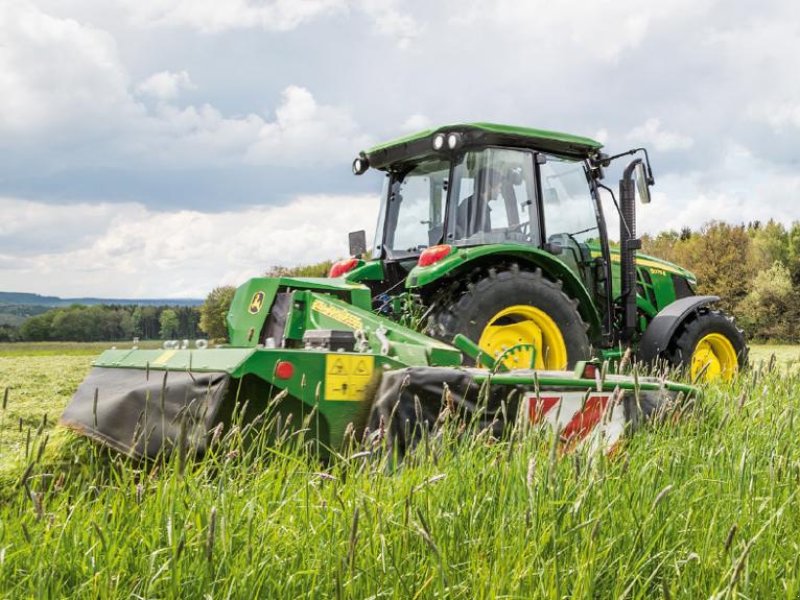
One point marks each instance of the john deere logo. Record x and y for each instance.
(257, 302)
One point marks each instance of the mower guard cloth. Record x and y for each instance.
(412, 400)
(143, 413)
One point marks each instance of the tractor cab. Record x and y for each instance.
(478, 185)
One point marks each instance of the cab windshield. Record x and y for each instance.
(491, 199)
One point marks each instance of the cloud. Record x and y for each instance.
(652, 134)
(392, 21)
(602, 30)
(132, 251)
(416, 122)
(165, 85)
(29, 227)
(304, 129)
(52, 69)
(63, 85)
(213, 16)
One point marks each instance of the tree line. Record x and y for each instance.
(754, 268)
(102, 322)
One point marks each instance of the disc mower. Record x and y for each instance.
(336, 368)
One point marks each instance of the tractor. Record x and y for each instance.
(498, 232)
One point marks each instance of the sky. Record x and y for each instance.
(160, 148)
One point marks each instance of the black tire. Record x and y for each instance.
(469, 310)
(689, 335)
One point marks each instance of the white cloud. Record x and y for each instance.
(28, 226)
(62, 81)
(133, 251)
(52, 69)
(602, 30)
(416, 122)
(165, 85)
(777, 113)
(213, 16)
(681, 200)
(652, 134)
(304, 129)
(390, 17)
(392, 21)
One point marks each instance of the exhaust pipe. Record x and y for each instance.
(629, 244)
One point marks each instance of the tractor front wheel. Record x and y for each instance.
(510, 308)
(710, 347)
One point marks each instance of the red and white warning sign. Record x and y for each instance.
(597, 418)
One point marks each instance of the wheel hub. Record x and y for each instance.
(521, 324)
(714, 353)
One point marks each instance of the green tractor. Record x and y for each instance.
(499, 232)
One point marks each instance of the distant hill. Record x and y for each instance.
(21, 299)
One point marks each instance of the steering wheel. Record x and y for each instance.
(523, 228)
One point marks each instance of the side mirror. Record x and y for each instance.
(358, 243)
(641, 183)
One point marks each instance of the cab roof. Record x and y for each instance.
(419, 145)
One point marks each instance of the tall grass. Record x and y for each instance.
(702, 506)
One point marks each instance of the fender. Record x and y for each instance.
(659, 332)
(463, 260)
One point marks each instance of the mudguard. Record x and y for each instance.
(659, 333)
(462, 260)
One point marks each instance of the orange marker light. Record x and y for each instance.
(343, 266)
(434, 254)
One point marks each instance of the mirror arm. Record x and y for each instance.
(605, 160)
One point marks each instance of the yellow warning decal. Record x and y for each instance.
(256, 303)
(337, 314)
(347, 376)
(164, 357)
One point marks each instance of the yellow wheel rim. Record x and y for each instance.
(520, 324)
(716, 351)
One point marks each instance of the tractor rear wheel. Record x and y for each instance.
(710, 347)
(503, 309)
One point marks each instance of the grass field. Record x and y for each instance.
(703, 506)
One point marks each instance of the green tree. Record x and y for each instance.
(793, 259)
(214, 310)
(769, 311)
(38, 328)
(8, 333)
(168, 324)
(770, 244)
(149, 322)
(719, 257)
(136, 322)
